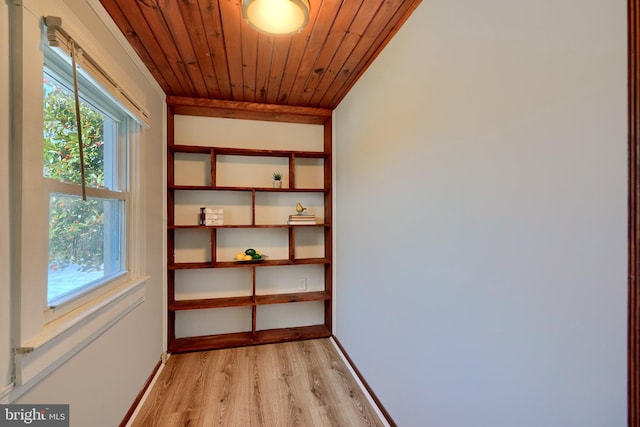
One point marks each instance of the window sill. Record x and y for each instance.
(66, 336)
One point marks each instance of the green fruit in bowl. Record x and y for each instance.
(250, 252)
(256, 256)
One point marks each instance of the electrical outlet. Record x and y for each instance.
(302, 284)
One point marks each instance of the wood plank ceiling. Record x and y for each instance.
(204, 49)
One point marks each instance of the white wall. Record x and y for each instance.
(101, 381)
(481, 216)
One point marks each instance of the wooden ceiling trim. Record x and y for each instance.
(377, 36)
(190, 12)
(135, 36)
(230, 18)
(248, 110)
(215, 42)
(318, 39)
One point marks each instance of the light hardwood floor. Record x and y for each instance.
(303, 383)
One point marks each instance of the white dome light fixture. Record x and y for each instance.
(276, 17)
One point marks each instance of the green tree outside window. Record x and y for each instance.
(76, 234)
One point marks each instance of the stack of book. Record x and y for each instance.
(302, 220)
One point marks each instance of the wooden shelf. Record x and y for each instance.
(199, 304)
(208, 227)
(292, 334)
(188, 227)
(206, 303)
(250, 189)
(228, 151)
(189, 265)
(294, 297)
(236, 264)
(189, 149)
(212, 342)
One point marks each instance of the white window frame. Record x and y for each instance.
(126, 126)
(44, 339)
(5, 210)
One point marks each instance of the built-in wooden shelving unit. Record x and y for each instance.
(253, 297)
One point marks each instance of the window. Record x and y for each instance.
(51, 323)
(87, 239)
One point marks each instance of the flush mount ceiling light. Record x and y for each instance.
(276, 17)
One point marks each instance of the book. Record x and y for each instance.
(310, 222)
(302, 217)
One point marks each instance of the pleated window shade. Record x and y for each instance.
(59, 38)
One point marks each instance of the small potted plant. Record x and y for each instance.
(277, 180)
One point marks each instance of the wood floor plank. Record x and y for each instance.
(302, 383)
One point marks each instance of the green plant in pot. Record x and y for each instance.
(277, 180)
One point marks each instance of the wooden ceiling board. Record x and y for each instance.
(169, 47)
(344, 35)
(317, 39)
(281, 49)
(354, 64)
(165, 81)
(298, 47)
(368, 48)
(210, 17)
(203, 48)
(190, 13)
(231, 24)
(256, 53)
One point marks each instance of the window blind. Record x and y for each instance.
(60, 39)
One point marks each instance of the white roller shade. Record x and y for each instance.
(58, 38)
